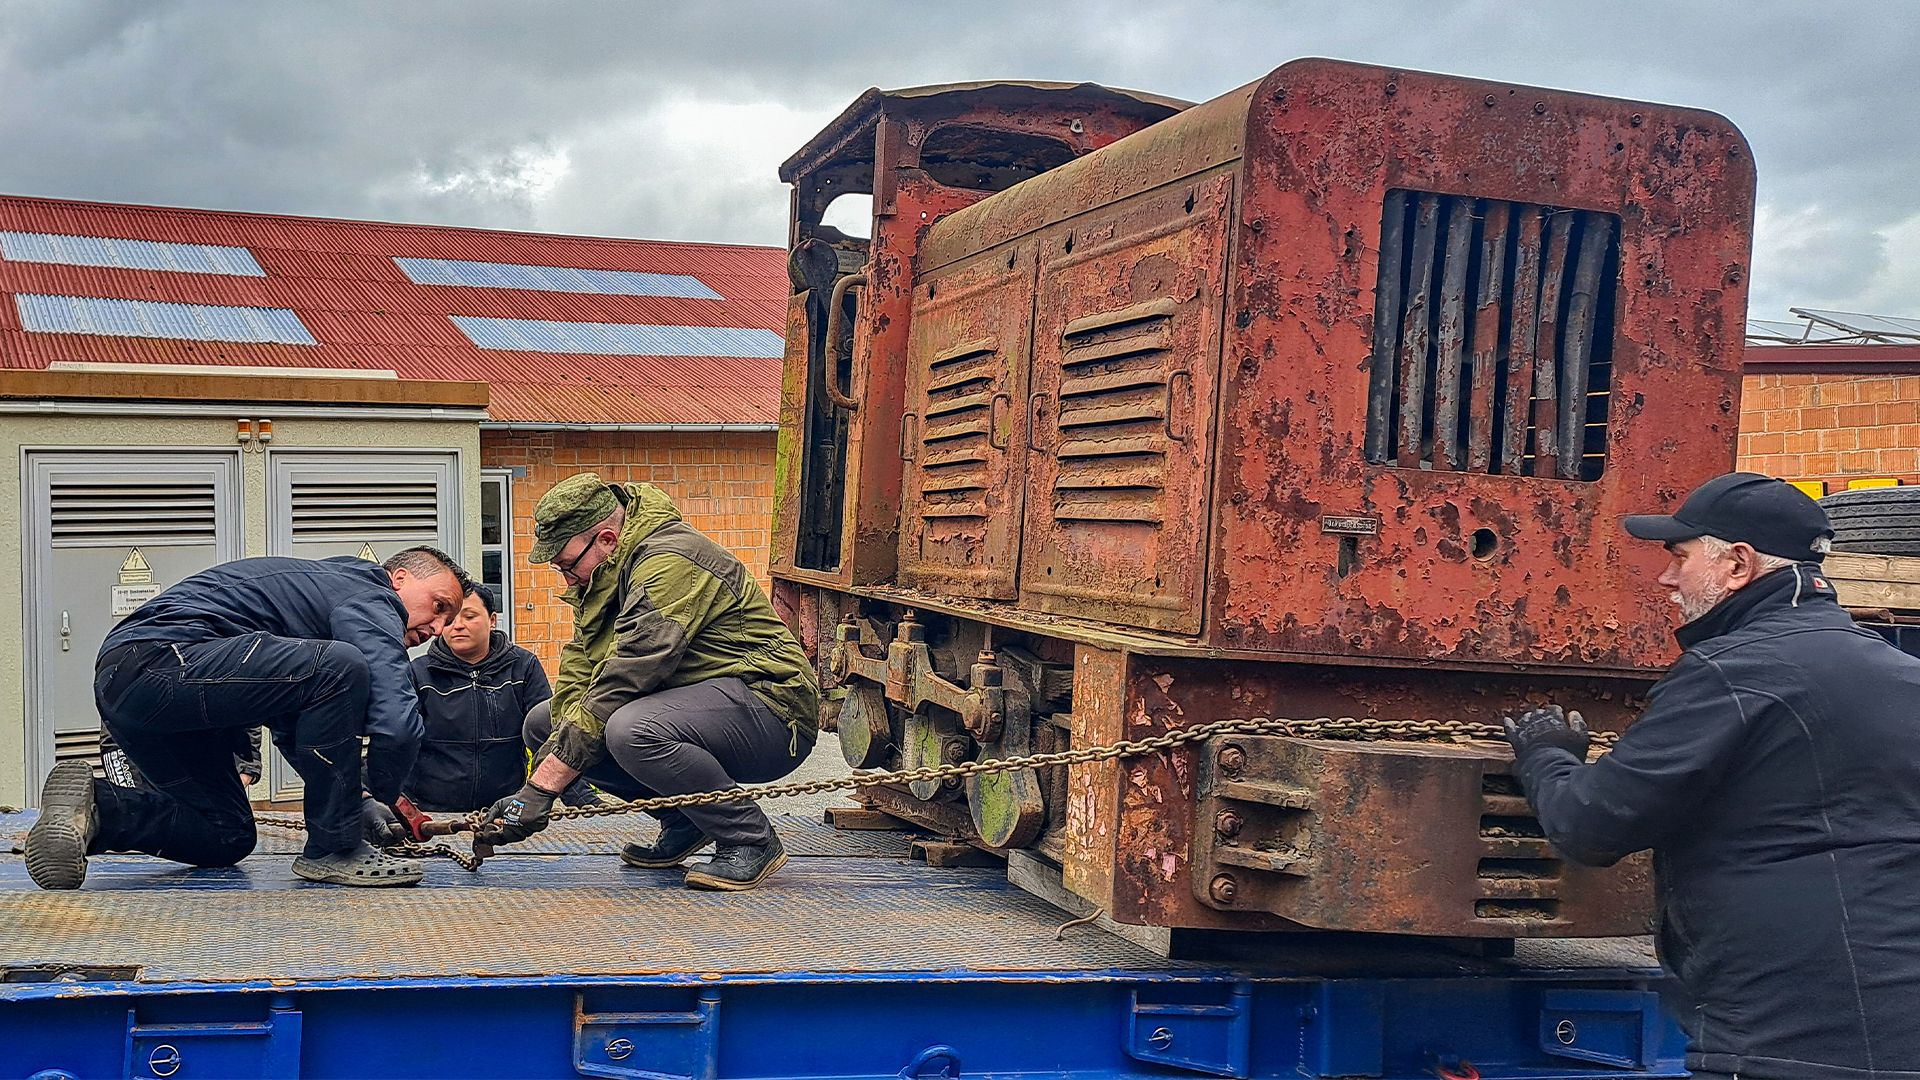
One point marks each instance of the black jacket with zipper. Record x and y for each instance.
(473, 753)
(1776, 775)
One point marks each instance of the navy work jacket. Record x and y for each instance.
(342, 599)
(1776, 775)
(474, 753)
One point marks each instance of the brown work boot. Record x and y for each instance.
(57, 843)
(738, 867)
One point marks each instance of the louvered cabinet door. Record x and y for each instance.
(1125, 360)
(964, 433)
(367, 504)
(105, 532)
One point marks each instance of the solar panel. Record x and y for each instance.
(618, 339)
(489, 275)
(1864, 327)
(128, 254)
(154, 319)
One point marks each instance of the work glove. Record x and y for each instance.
(1547, 726)
(517, 816)
(379, 823)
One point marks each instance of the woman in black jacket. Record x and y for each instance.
(475, 690)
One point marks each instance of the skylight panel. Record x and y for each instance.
(128, 254)
(155, 319)
(490, 275)
(618, 339)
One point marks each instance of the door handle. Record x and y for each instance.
(1036, 412)
(1172, 398)
(66, 633)
(995, 418)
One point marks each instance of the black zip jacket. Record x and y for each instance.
(1776, 775)
(473, 754)
(342, 599)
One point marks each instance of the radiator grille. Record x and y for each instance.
(1114, 412)
(399, 510)
(1492, 337)
(91, 513)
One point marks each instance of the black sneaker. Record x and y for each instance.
(738, 867)
(57, 843)
(677, 840)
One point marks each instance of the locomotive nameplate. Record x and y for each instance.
(1350, 526)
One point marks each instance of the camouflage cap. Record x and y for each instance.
(568, 509)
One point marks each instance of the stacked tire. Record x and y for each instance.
(1877, 521)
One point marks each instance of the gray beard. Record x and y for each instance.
(1708, 599)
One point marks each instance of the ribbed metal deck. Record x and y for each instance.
(585, 915)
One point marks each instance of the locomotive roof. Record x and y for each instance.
(864, 112)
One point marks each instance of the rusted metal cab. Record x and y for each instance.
(1322, 398)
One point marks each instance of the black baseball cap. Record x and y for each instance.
(1771, 515)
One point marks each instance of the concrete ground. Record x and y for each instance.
(824, 763)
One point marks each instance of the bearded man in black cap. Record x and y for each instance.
(1776, 775)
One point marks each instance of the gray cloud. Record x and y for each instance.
(668, 120)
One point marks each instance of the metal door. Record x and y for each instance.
(107, 532)
(965, 435)
(1126, 352)
(368, 504)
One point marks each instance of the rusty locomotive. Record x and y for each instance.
(1322, 398)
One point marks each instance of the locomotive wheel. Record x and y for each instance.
(1007, 807)
(865, 738)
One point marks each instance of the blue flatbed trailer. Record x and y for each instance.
(854, 961)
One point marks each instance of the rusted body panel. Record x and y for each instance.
(1551, 578)
(1362, 836)
(1323, 398)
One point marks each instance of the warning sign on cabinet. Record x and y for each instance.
(136, 571)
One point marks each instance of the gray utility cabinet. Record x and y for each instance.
(104, 533)
(107, 530)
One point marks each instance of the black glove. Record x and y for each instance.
(380, 824)
(1547, 726)
(517, 816)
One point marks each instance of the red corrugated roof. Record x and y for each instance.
(339, 277)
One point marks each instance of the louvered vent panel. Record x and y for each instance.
(94, 513)
(1518, 873)
(1493, 337)
(397, 510)
(955, 435)
(1113, 416)
(77, 746)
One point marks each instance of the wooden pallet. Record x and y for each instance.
(1875, 583)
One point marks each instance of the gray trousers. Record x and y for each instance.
(703, 737)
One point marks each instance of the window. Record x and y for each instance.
(487, 275)
(496, 540)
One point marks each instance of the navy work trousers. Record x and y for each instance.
(181, 710)
(702, 737)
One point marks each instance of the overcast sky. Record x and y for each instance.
(668, 120)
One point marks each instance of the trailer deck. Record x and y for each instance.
(853, 961)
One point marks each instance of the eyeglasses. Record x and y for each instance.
(575, 561)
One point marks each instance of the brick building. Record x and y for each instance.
(639, 359)
(1832, 402)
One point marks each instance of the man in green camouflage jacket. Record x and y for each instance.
(679, 678)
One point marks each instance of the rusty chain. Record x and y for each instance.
(1366, 729)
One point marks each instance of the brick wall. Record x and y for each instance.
(1831, 428)
(722, 482)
